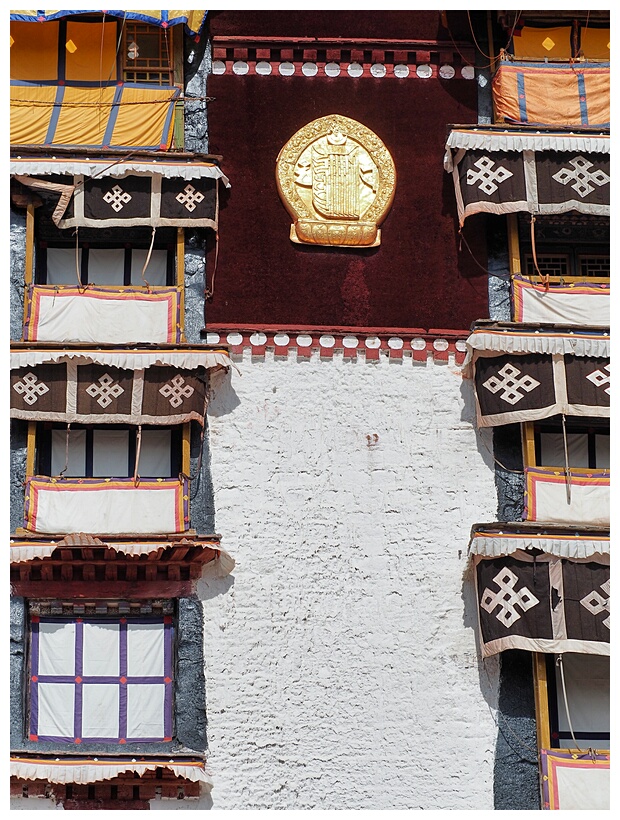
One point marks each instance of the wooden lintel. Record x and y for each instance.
(131, 590)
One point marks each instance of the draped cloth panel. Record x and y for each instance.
(123, 115)
(581, 498)
(110, 506)
(193, 19)
(496, 544)
(575, 780)
(536, 182)
(553, 94)
(105, 315)
(142, 198)
(87, 770)
(106, 681)
(578, 303)
(528, 386)
(542, 604)
(91, 393)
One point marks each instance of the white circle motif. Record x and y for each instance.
(263, 68)
(378, 70)
(218, 67)
(332, 69)
(401, 70)
(447, 72)
(355, 70)
(424, 71)
(286, 69)
(309, 69)
(240, 67)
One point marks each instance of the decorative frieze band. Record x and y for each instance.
(341, 62)
(438, 345)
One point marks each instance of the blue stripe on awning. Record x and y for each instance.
(164, 21)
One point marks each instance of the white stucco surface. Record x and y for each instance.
(341, 662)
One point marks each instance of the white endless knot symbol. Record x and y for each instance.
(107, 389)
(510, 384)
(581, 176)
(595, 603)
(30, 389)
(189, 197)
(117, 198)
(176, 390)
(487, 176)
(600, 378)
(507, 598)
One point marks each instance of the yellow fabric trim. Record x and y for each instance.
(89, 62)
(31, 111)
(34, 53)
(528, 45)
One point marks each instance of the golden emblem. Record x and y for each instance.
(337, 180)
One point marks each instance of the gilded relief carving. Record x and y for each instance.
(337, 180)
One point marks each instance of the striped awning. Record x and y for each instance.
(123, 115)
(192, 18)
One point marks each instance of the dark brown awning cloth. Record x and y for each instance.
(543, 603)
(112, 386)
(536, 172)
(529, 375)
(112, 193)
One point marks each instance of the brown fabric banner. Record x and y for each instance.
(542, 604)
(102, 394)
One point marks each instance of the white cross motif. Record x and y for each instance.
(510, 384)
(176, 390)
(488, 177)
(106, 390)
(595, 603)
(599, 378)
(30, 388)
(189, 196)
(507, 598)
(581, 176)
(117, 198)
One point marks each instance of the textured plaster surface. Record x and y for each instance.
(341, 662)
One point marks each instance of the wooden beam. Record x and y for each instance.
(29, 261)
(529, 444)
(514, 253)
(31, 448)
(541, 700)
(185, 449)
(134, 590)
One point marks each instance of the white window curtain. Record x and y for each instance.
(110, 453)
(77, 452)
(155, 273)
(587, 693)
(603, 455)
(155, 454)
(106, 266)
(61, 266)
(552, 449)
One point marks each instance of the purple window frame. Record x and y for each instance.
(79, 679)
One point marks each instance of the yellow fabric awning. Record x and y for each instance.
(115, 116)
(552, 94)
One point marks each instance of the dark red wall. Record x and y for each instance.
(417, 277)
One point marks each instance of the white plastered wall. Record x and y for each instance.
(341, 661)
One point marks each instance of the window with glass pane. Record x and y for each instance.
(147, 54)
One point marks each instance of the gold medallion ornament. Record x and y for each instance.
(337, 180)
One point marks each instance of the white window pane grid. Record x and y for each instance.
(101, 680)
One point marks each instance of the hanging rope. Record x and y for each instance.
(209, 291)
(544, 278)
(560, 664)
(138, 447)
(61, 473)
(78, 273)
(148, 259)
(566, 463)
